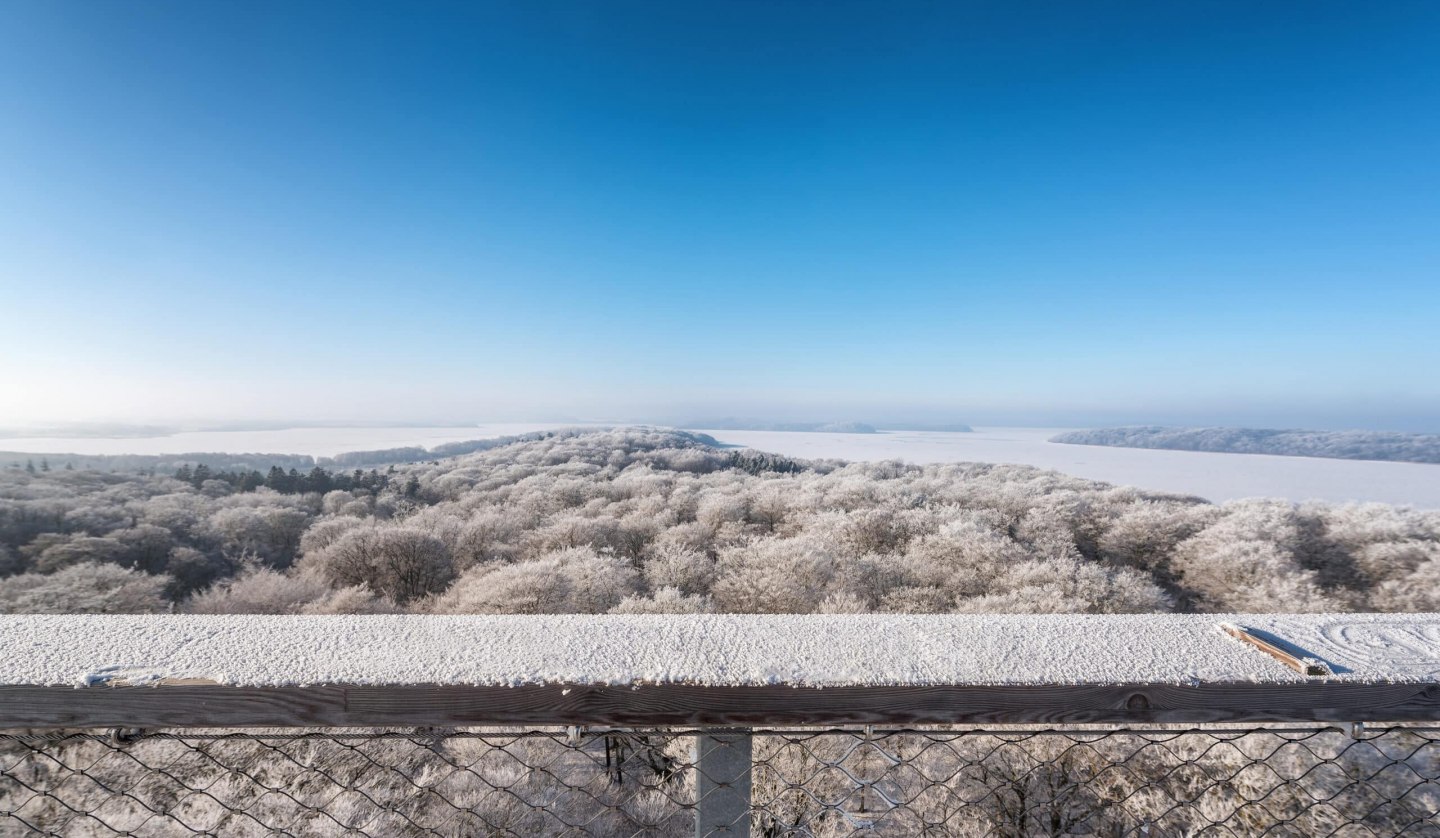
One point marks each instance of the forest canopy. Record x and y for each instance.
(651, 521)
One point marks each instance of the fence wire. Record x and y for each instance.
(470, 782)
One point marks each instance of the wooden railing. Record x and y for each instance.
(94, 673)
(338, 705)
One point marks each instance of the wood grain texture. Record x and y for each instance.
(198, 705)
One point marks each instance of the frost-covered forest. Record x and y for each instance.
(648, 521)
(1344, 445)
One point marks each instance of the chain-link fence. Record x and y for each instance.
(1288, 781)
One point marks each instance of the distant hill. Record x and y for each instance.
(733, 424)
(83, 430)
(951, 428)
(1343, 445)
(219, 461)
(159, 463)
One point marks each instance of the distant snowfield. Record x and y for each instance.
(316, 442)
(1218, 477)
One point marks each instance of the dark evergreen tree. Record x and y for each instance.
(250, 481)
(318, 480)
(759, 462)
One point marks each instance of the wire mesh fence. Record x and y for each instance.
(810, 782)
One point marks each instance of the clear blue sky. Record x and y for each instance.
(990, 212)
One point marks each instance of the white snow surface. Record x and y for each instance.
(716, 650)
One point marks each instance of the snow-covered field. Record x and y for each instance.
(1217, 477)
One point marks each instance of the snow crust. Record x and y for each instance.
(719, 650)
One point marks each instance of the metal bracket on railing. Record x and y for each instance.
(122, 736)
(573, 734)
(1356, 730)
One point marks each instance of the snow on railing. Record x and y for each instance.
(894, 724)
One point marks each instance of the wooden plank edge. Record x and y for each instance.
(683, 706)
(1310, 667)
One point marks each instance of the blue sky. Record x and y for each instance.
(988, 212)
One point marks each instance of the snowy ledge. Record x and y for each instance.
(712, 669)
(711, 650)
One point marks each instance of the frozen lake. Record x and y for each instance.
(1215, 476)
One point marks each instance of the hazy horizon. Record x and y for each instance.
(639, 212)
(1421, 417)
(888, 421)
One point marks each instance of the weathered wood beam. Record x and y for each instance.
(208, 705)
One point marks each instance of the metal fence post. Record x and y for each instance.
(723, 761)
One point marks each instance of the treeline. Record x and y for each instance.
(647, 521)
(1345, 445)
(151, 464)
(755, 462)
(157, 463)
(288, 482)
